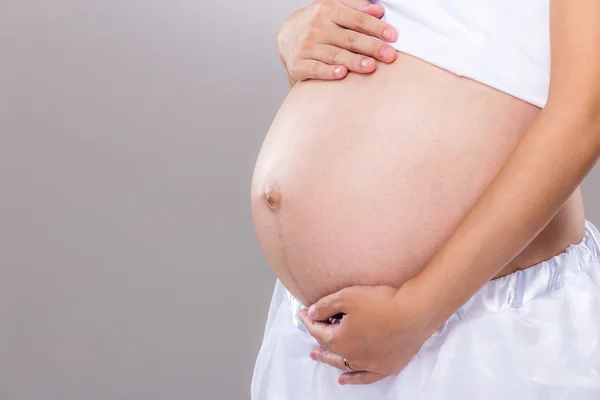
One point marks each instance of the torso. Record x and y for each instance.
(359, 182)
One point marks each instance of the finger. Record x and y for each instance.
(365, 6)
(313, 69)
(364, 23)
(359, 378)
(328, 357)
(321, 331)
(332, 358)
(360, 43)
(328, 306)
(337, 56)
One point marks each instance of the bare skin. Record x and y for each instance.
(360, 182)
(541, 175)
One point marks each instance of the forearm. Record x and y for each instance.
(547, 165)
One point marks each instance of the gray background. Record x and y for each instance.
(129, 130)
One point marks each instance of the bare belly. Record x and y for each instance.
(359, 182)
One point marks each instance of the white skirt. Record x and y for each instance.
(534, 334)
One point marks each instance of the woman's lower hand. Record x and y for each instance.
(328, 38)
(380, 332)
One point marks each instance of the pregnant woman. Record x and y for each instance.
(418, 197)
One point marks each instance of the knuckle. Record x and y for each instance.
(354, 59)
(313, 29)
(335, 13)
(293, 72)
(309, 35)
(330, 339)
(360, 22)
(321, 7)
(334, 360)
(334, 56)
(342, 296)
(293, 67)
(351, 39)
(313, 69)
(304, 47)
(295, 61)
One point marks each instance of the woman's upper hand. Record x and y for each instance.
(328, 38)
(380, 332)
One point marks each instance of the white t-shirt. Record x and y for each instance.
(504, 44)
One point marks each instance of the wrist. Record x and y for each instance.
(428, 304)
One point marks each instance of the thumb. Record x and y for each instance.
(327, 307)
(365, 6)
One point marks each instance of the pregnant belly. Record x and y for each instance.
(359, 182)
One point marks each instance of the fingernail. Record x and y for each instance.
(388, 53)
(341, 381)
(365, 63)
(311, 312)
(390, 34)
(337, 70)
(313, 356)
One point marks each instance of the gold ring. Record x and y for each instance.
(348, 367)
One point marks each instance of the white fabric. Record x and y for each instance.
(534, 334)
(504, 44)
